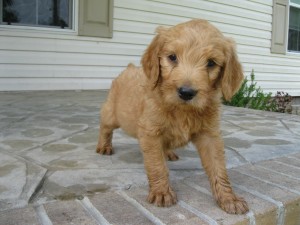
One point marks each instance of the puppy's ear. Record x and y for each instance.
(232, 76)
(150, 59)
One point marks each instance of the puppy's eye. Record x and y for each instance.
(210, 63)
(173, 58)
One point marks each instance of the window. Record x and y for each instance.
(95, 17)
(294, 26)
(286, 26)
(40, 13)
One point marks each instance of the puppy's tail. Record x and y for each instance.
(131, 65)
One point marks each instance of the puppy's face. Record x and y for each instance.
(192, 63)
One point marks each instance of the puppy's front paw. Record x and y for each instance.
(162, 199)
(234, 205)
(104, 150)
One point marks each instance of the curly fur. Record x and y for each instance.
(144, 102)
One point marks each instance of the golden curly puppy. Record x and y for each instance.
(174, 99)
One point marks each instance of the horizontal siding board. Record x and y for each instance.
(148, 17)
(49, 71)
(228, 29)
(52, 58)
(274, 73)
(278, 85)
(55, 45)
(264, 6)
(248, 5)
(253, 50)
(251, 41)
(268, 60)
(54, 84)
(134, 27)
(271, 77)
(76, 59)
(290, 91)
(273, 69)
(119, 37)
(128, 38)
(132, 38)
(265, 2)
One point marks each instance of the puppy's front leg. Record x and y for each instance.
(160, 194)
(211, 150)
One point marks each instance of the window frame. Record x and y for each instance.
(43, 29)
(280, 28)
(295, 5)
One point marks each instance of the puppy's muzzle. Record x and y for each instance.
(186, 93)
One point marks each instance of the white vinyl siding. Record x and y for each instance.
(36, 60)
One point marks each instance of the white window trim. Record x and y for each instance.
(295, 5)
(36, 29)
(288, 52)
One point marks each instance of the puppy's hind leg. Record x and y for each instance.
(107, 125)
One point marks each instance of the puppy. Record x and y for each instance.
(175, 99)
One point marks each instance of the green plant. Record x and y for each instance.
(251, 96)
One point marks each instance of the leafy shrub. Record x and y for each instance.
(251, 96)
(283, 101)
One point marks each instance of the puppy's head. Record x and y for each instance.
(192, 63)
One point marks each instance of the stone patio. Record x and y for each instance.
(50, 173)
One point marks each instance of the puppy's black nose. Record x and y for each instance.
(186, 93)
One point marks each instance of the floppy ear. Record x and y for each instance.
(232, 76)
(150, 59)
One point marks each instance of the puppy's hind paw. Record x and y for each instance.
(105, 150)
(236, 205)
(160, 199)
(171, 156)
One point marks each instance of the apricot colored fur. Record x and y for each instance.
(145, 103)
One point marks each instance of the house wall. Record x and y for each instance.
(31, 59)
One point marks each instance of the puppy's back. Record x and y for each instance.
(126, 98)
